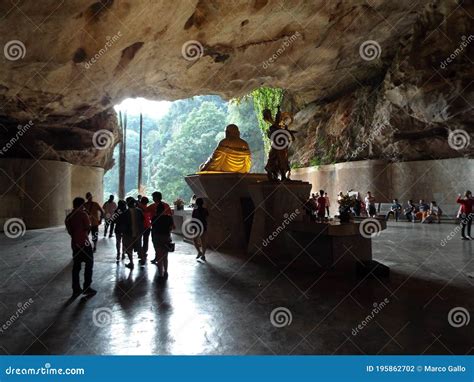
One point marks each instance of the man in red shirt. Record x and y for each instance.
(78, 226)
(467, 204)
(147, 216)
(157, 198)
(321, 206)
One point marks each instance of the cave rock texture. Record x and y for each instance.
(349, 68)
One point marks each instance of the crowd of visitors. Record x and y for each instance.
(317, 207)
(132, 221)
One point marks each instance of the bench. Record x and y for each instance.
(449, 212)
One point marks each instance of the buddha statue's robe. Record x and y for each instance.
(232, 154)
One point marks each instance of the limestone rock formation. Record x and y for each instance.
(66, 64)
(420, 108)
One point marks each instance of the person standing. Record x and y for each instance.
(96, 214)
(328, 204)
(200, 214)
(157, 199)
(120, 226)
(321, 203)
(162, 224)
(78, 226)
(132, 232)
(109, 208)
(370, 205)
(467, 204)
(143, 205)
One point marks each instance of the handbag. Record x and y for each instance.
(170, 246)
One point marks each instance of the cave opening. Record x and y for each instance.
(177, 137)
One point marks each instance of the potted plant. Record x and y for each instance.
(179, 204)
(345, 204)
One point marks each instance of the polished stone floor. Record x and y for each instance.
(225, 305)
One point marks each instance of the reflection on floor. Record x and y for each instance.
(226, 305)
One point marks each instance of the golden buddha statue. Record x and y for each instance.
(232, 154)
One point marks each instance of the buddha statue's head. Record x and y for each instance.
(232, 131)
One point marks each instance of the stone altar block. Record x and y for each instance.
(226, 196)
(277, 204)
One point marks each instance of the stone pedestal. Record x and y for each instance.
(226, 196)
(327, 246)
(267, 220)
(277, 204)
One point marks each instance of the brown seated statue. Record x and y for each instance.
(232, 154)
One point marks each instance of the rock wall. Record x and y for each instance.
(40, 192)
(419, 108)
